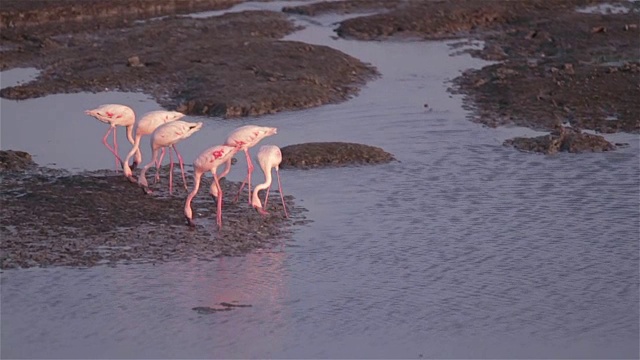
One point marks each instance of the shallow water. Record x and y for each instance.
(604, 9)
(463, 249)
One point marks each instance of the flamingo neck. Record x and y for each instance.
(196, 185)
(130, 134)
(255, 200)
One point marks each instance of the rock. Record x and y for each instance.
(11, 160)
(332, 154)
(562, 139)
(134, 61)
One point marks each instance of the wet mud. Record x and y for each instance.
(332, 154)
(49, 217)
(557, 65)
(232, 65)
(11, 160)
(563, 139)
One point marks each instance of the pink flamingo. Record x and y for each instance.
(168, 135)
(269, 157)
(244, 138)
(209, 160)
(146, 126)
(115, 115)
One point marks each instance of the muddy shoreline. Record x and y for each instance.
(556, 65)
(558, 69)
(50, 217)
(231, 65)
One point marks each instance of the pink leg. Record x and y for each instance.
(213, 186)
(250, 166)
(244, 182)
(158, 164)
(142, 178)
(104, 141)
(170, 172)
(219, 213)
(115, 147)
(266, 197)
(281, 194)
(184, 179)
(247, 180)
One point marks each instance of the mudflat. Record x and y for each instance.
(557, 66)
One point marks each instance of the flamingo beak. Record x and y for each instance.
(260, 210)
(190, 222)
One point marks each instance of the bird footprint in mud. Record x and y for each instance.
(223, 306)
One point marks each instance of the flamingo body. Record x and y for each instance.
(146, 126)
(244, 138)
(269, 157)
(209, 160)
(114, 115)
(168, 135)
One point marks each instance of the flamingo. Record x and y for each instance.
(145, 126)
(114, 115)
(168, 135)
(269, 157)
(244, 138)
(209, 160)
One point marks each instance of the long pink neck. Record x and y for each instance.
(130, 134)
(255, 200)
(134, 150)
(196, 185)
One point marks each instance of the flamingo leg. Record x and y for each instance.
(246, 180)
(170, 172)
(281, 195)
(213, 189)
(104, 141)
(142, 178)
(250, 168)
(135, 161)
(266, 197)
(115, 147)
(158, 165)
(219, 209)
(180, 160)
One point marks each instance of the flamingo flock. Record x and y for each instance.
(166, 129)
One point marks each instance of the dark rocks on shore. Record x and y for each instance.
(562, 139)
(331, 154)
(11, 160)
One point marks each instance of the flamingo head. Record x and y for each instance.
(173, 116)
(263, 132)
(193, 127)
(93, 112)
